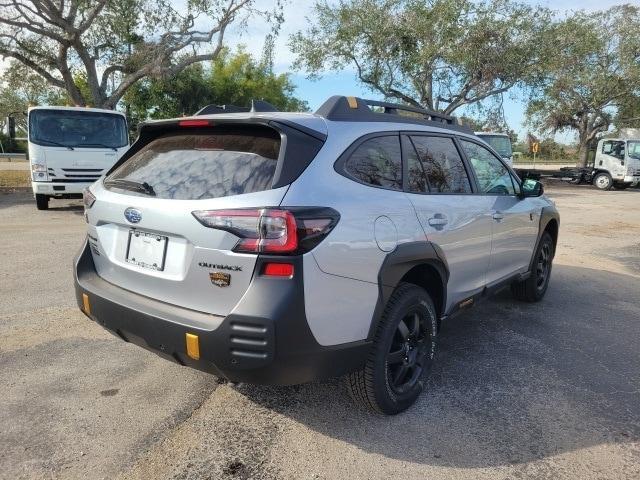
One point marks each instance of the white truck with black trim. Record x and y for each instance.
(69, 148)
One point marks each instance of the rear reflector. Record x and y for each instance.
(86, 306)
(193, 346)
(278, 270)
(193, 123)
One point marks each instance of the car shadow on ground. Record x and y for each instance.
(513, 382)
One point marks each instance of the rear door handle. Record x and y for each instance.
(498, 216)
(438, 221)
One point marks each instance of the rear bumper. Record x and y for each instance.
(59, 188)
(265, 340)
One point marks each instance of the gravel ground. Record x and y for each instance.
(519, 391)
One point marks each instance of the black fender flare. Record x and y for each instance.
(547, 215)
(396, 265)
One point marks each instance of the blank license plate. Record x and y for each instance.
(147, 250)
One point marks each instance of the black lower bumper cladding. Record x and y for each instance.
(266, 340)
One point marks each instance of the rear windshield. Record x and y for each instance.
(193, 165)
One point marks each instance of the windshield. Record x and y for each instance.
(499, 143)
(634, 149)
(77, 129)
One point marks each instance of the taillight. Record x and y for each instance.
(272, 230)
(88, 198)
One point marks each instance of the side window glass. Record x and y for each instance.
(607, 147)
(442, 164)
(493, 177)
(377, 162)
(416, 177)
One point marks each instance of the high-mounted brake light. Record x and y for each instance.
(272, 230)
(193, 123)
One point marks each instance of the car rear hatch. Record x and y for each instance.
(143, 232)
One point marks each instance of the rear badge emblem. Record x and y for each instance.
(220, 279)
(132, 215)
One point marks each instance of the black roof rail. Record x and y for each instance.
(256, 106)
(353, 109)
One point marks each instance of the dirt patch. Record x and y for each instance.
(14, 178)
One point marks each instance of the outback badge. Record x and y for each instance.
(220, 279)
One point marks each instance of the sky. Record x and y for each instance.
(346, 83)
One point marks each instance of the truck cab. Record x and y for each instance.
(69, 148)
(617, 163)
(500, 142)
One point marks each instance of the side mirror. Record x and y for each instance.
(532, 188)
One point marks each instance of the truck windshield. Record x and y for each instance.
(500, 144)
(77, 129)
(634, 149)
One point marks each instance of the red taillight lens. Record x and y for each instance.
(266, 230)
(278, 270)
(272, 230)
(193, 123)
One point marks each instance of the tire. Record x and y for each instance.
(603, 181)
(402, 353)
(42, 202)
(533, 288)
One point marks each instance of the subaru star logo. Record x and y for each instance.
(132, 215)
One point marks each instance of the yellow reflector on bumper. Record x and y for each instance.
(193, 347)
(85, 304)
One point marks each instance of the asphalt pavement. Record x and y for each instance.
(550, 390)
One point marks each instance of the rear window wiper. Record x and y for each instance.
(143, 187)
(97, 145)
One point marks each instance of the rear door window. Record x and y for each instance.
(193, 165)
(442, 164)
(378, 162)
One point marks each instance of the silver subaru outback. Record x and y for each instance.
(280, 248)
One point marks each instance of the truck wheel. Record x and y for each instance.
(402, 353)
(42, 201)
(603, 181)
(533, 288)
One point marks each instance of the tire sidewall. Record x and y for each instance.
(599, 175)
(546, 239)
(388, 400)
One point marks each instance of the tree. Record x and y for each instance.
(594, 70)
(231, 79)
(20, 88)
(112, 44)
(438, 54)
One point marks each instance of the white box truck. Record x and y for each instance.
(69, 148)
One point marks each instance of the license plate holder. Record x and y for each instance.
(147, 250)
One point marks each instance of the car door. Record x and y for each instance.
(452, 217)
(514, 219)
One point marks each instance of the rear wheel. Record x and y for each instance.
(42, 202)
(402, 353)
(533, 288)
(603, 181)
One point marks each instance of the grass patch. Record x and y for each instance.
(14, 178)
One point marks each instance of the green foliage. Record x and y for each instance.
(96, 50)
(440, 54)
(594, 68)
(231, 79)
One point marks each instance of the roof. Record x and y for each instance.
(335, 109)
(76, 109)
